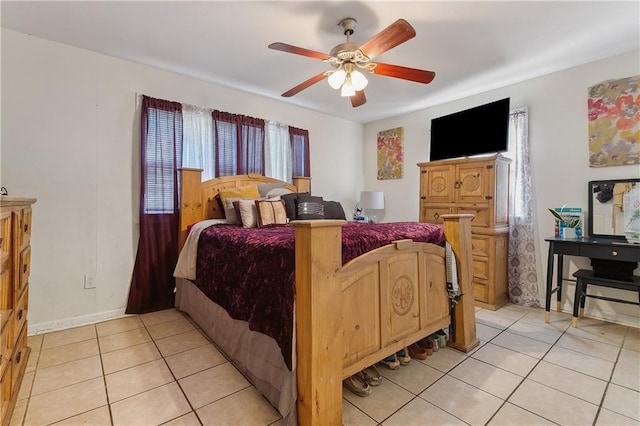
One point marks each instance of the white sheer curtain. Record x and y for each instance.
(277, 151)
(198, 150)
(523, 280)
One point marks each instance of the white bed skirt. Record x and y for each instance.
(255, 354)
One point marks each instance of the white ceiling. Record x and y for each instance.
(472, 46)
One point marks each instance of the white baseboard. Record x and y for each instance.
(597, 313)
(62, 324)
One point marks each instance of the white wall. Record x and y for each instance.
(70, 137)
(558, 137)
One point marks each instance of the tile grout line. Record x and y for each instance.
(172, 374)
(607, 382)
(526, 376)
(566, 332)
(66, 386)
(606, 388)
(104, 377)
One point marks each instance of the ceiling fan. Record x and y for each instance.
(348, 60)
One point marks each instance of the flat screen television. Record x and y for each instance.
(480, 130)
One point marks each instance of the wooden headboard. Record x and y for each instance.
(197, 198)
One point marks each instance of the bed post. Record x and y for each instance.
(191, 210)
(318, 245)
(302, 184)
(457, 229)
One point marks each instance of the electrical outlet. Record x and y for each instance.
(89, 281)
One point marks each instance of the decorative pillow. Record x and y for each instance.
(309, 207)
(264, 188)
(290, 205)
(247, 211)
(230, 212)
(277, 192)
(334, 210)
(271, 213)
(248, 192)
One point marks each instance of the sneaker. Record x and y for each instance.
(357, 384)
(372, 375)
(391, 362)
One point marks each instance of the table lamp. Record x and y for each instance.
(372, 202)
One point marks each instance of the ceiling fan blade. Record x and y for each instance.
(298, 50)
(300, 87)
(358, 99)
(405, 73)
(395, 34)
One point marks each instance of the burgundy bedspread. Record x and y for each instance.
(250, 271)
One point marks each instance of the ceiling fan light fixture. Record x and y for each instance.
(347, 88)
(358, 80)
(344, 58)
(337, 78)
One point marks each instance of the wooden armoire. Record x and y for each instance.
(479, 186)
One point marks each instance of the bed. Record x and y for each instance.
(347, 315)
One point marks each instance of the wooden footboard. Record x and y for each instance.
(349, 317)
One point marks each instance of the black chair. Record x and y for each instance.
(586, 277)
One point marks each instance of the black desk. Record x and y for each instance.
(597, 248)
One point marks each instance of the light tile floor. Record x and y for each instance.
(158, 368)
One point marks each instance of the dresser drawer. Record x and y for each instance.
(480, 290)
(5, 392)
(5, 240)
(19, 357)
(479, 245)
(20, 312)
(6, 292)
(25, 270)
(434, 214)
(622, 252)
(6, 345)
(480, 215)
(480, 267)
(25, 228)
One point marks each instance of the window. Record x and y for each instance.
(162, 132)
(239, 144)
(218, 142)
(300, 148)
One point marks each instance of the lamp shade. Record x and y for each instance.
(337, 78)
(347, 87)
(358, 80)
(372, 200)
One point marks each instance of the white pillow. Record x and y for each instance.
(248, 213)
(230, 211)
(277, 192)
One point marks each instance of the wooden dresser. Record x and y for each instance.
(15, 263)
(479, 186)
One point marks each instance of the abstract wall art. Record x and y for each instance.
(614, 122)
(390, 154)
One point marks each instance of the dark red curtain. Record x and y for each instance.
(239, 143)
(300, 152)
(152, 282)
